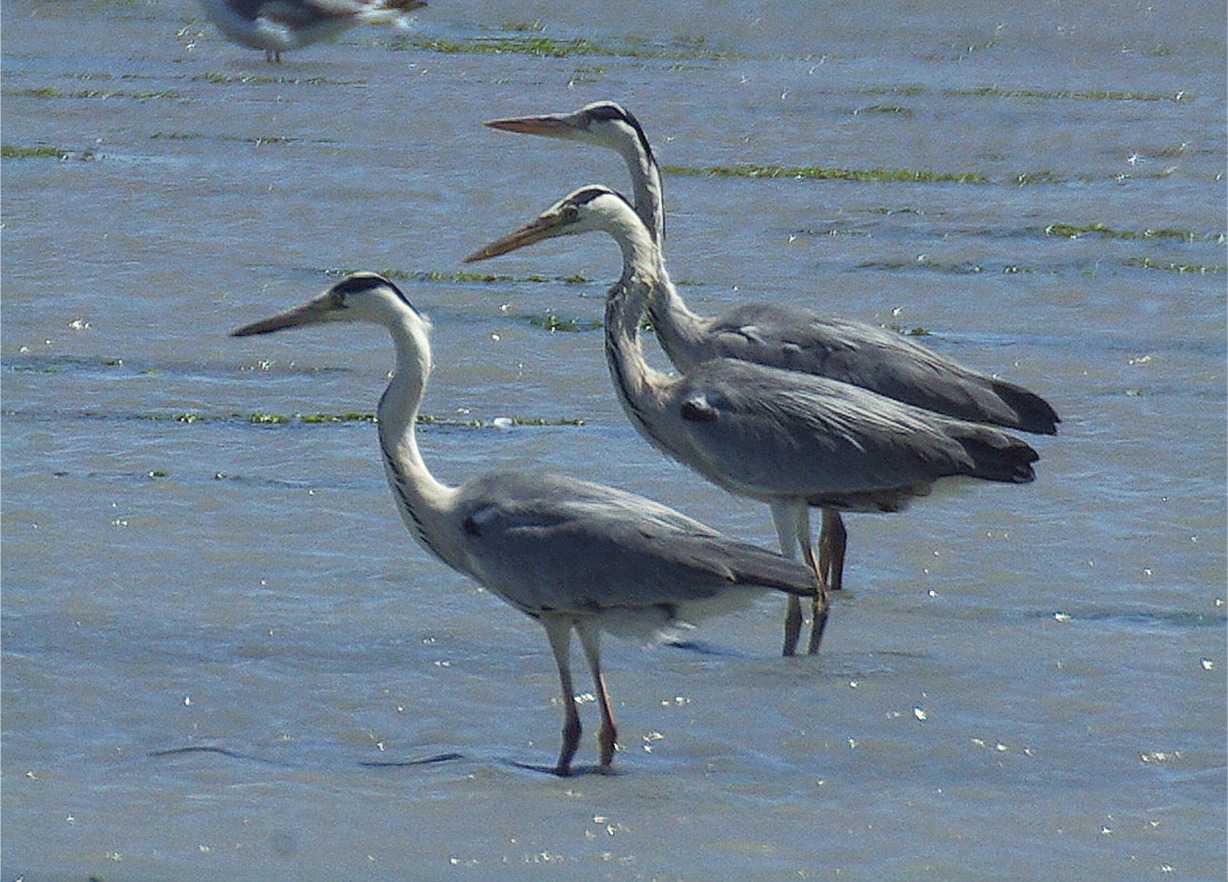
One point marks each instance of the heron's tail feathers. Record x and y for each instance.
(1033, 412)
(756, 566)
(997, 456)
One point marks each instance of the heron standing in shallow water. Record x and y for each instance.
(789, 337)
(792, 440)
(569, 553)
(280, 25)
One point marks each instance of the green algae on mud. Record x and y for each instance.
(683, 48)
(551, 322)
(424, 419)
(1174, 267)
(45, 151)
(462, 276)
(225, 79)
(898, 175)
(103, 94)
(1075, 231)
(1069, 95)
(914, 90)
(827, 173)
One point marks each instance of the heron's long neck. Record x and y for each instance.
(649, 195)
(638, 384)
(420, 498)
(678, 329)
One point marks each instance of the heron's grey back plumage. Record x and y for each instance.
(849, 442)
(588, 548)
(878, 359)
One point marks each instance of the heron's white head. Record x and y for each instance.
(590, 209)
(359, 297)
(603, 123)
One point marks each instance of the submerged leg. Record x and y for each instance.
(784, 516)
(833, 539)
(558, 629)
(607, 736)
(820, 598)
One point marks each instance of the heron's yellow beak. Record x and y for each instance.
(550, 224)
(551, 125)
(314, 311)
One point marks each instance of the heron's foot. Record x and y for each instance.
(571, 742)
(607, 743)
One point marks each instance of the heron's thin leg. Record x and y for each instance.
(558, 629)
(820, 598)
(784, 516)
(833, 539)
(607, 736)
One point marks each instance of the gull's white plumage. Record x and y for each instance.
(277, 26)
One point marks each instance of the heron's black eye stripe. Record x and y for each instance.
(362, 282)
(357, 283)
(612, 112)
(609, 112)
(588, 194)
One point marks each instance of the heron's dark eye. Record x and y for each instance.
(570, 213)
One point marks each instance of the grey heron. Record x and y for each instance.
(790, 439)
(791, 337)
(572, 554)
(279, 25)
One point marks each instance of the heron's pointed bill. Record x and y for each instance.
(315, 310)
(547, 226)
(551, 125)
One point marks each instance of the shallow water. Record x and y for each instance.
(223, 657)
